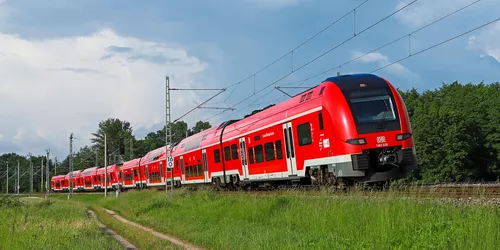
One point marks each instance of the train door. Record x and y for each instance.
(244, 163)
(183, 176)
(205, 164)
(290, 148)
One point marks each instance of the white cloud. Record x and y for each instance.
(486, 42)
(381, 60)
(50, 88)
(426, 11)
(274, 4)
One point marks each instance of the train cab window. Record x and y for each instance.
(259, 155)
(234, 152)
(320, 119)
(269, 147)
(250, 154)
(321, 91)
(279, 150)
(217, 156)
(304, 133)
(227, 153)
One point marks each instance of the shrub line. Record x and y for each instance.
(172, 239)
(126, 244)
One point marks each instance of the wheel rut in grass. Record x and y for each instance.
(172, 239)
(126, 244)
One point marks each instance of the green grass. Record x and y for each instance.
(39, 224)
(311, 220)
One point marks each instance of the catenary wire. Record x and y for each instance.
(424, 50)
(321, 55)
(294, 49)
(385, 45)
(437, 44)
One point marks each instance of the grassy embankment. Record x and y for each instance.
(312, 220)
(37, 224)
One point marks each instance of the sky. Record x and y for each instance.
(67, 65)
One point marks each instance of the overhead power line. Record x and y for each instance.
(294, 49)
(321, 55)
(385, 45)
(328, 51)
(437, 44)
(414, 54)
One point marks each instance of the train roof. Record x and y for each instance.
(74, 173)
(153, 155)
(89, 171)
(130, 164)
(102, 170)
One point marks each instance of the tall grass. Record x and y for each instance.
(310, 220)
(42, 224)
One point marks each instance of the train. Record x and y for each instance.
(349, 129)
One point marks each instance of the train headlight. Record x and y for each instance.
(400, 137)
(357, 141)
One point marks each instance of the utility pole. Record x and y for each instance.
(168, 140)
(55, 166)
(105, 167)
(41, 175)
(47, 187)
(7, 187)
(31, 176)
(70, 188)
(18, 178)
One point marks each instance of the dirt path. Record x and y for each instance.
(172, 239)
(126, 244)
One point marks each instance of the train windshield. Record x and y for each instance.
(373, 109)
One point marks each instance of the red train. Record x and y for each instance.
(348, 129)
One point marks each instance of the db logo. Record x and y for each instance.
(380, 139)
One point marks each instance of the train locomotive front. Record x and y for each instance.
(371, 135)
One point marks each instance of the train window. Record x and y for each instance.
(227, 153)
(309, 95)
(321, 91)
(269, 147)
(304, 132)
(259, 155)
(217, 156)
(234, 152)
(250, 154)
(279, 150)
(320, 118)
(200, 171)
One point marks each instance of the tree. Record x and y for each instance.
(456, 131)
(114, 129)
(200, 126)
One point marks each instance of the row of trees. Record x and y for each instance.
(456, 130)
(89, 156)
